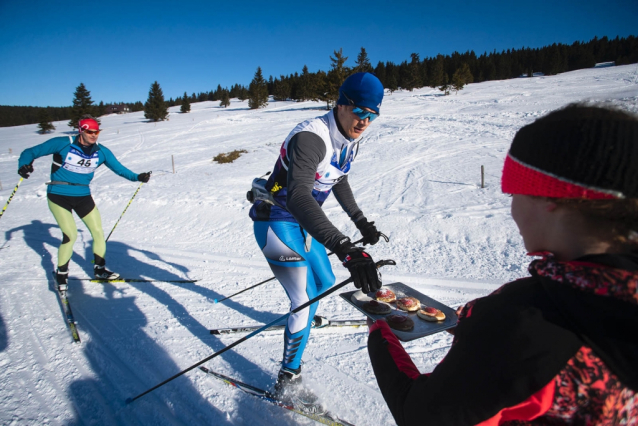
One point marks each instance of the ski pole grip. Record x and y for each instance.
(387, 262)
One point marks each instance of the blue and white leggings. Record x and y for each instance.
(302, 267)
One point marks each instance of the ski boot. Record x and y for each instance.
(287, 379)
(320, 322)
(289, 389)
(61, 279)
(100, 271)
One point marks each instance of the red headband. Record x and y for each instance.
(88, 124)
(520, 178)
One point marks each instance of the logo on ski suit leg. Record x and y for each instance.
(290, 258)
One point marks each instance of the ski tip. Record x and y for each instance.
(128, 401)
(215, 300)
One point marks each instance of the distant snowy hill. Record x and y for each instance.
(417, 176)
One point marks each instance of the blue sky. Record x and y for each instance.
(119, 48)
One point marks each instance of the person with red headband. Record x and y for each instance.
(558, 347)
(74, 163)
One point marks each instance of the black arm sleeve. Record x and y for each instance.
(305, 151)
(343, 194)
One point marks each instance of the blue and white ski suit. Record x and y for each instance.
(314, 161)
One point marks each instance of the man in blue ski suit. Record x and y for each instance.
(294, 232)
(74, 163)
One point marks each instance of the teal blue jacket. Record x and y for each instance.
(72, 165)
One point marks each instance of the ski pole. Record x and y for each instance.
(11, 196)
(272, 278)
(129, 203)
(243, 339)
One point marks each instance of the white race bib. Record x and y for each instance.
(78, 162)
(336, 170)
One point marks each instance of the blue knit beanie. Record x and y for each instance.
(364, 89)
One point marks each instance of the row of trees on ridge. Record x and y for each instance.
(447, 72)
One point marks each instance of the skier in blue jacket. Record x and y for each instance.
(74, 163)
(293, 232)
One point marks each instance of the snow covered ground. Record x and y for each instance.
(417, 176)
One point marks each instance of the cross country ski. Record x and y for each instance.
(307, 410)
(68, 313)
(132, 280)
(318, 322)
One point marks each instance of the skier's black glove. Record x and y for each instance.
(144, 177)
(25, 170)
(362, 269)
(368, 231)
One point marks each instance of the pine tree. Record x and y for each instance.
(380, 72)
(363, 63)
(82, 105)
(403, 77)
(336, 76)
(556, 63)
(270, 85)
(318, 85)
(414, 71)
(155, 109)
(100, 109)
(304, 85)
(45, 124)
(461, 77)
(504, 67)
(423, 73)
(391, 79)
(281, 89)
(258, 91)
(137, 106)
(457, 81)
(445, 85)
(217, 95)
(439, 76)
(225, 99)
(242, 93)
(186, 105)
(466, 74)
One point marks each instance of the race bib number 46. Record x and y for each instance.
(78, 162)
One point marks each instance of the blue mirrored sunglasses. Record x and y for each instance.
(361, 113)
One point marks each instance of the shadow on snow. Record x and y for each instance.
(124, 359)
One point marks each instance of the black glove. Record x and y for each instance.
(25, 170)
(362, 269)
(144, 177)
(368, 231)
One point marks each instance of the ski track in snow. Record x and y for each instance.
(417, 176)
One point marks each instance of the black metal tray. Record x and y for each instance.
(421, 328)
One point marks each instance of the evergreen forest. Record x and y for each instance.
(412, 73)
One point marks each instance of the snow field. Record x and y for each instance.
(417, 176)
